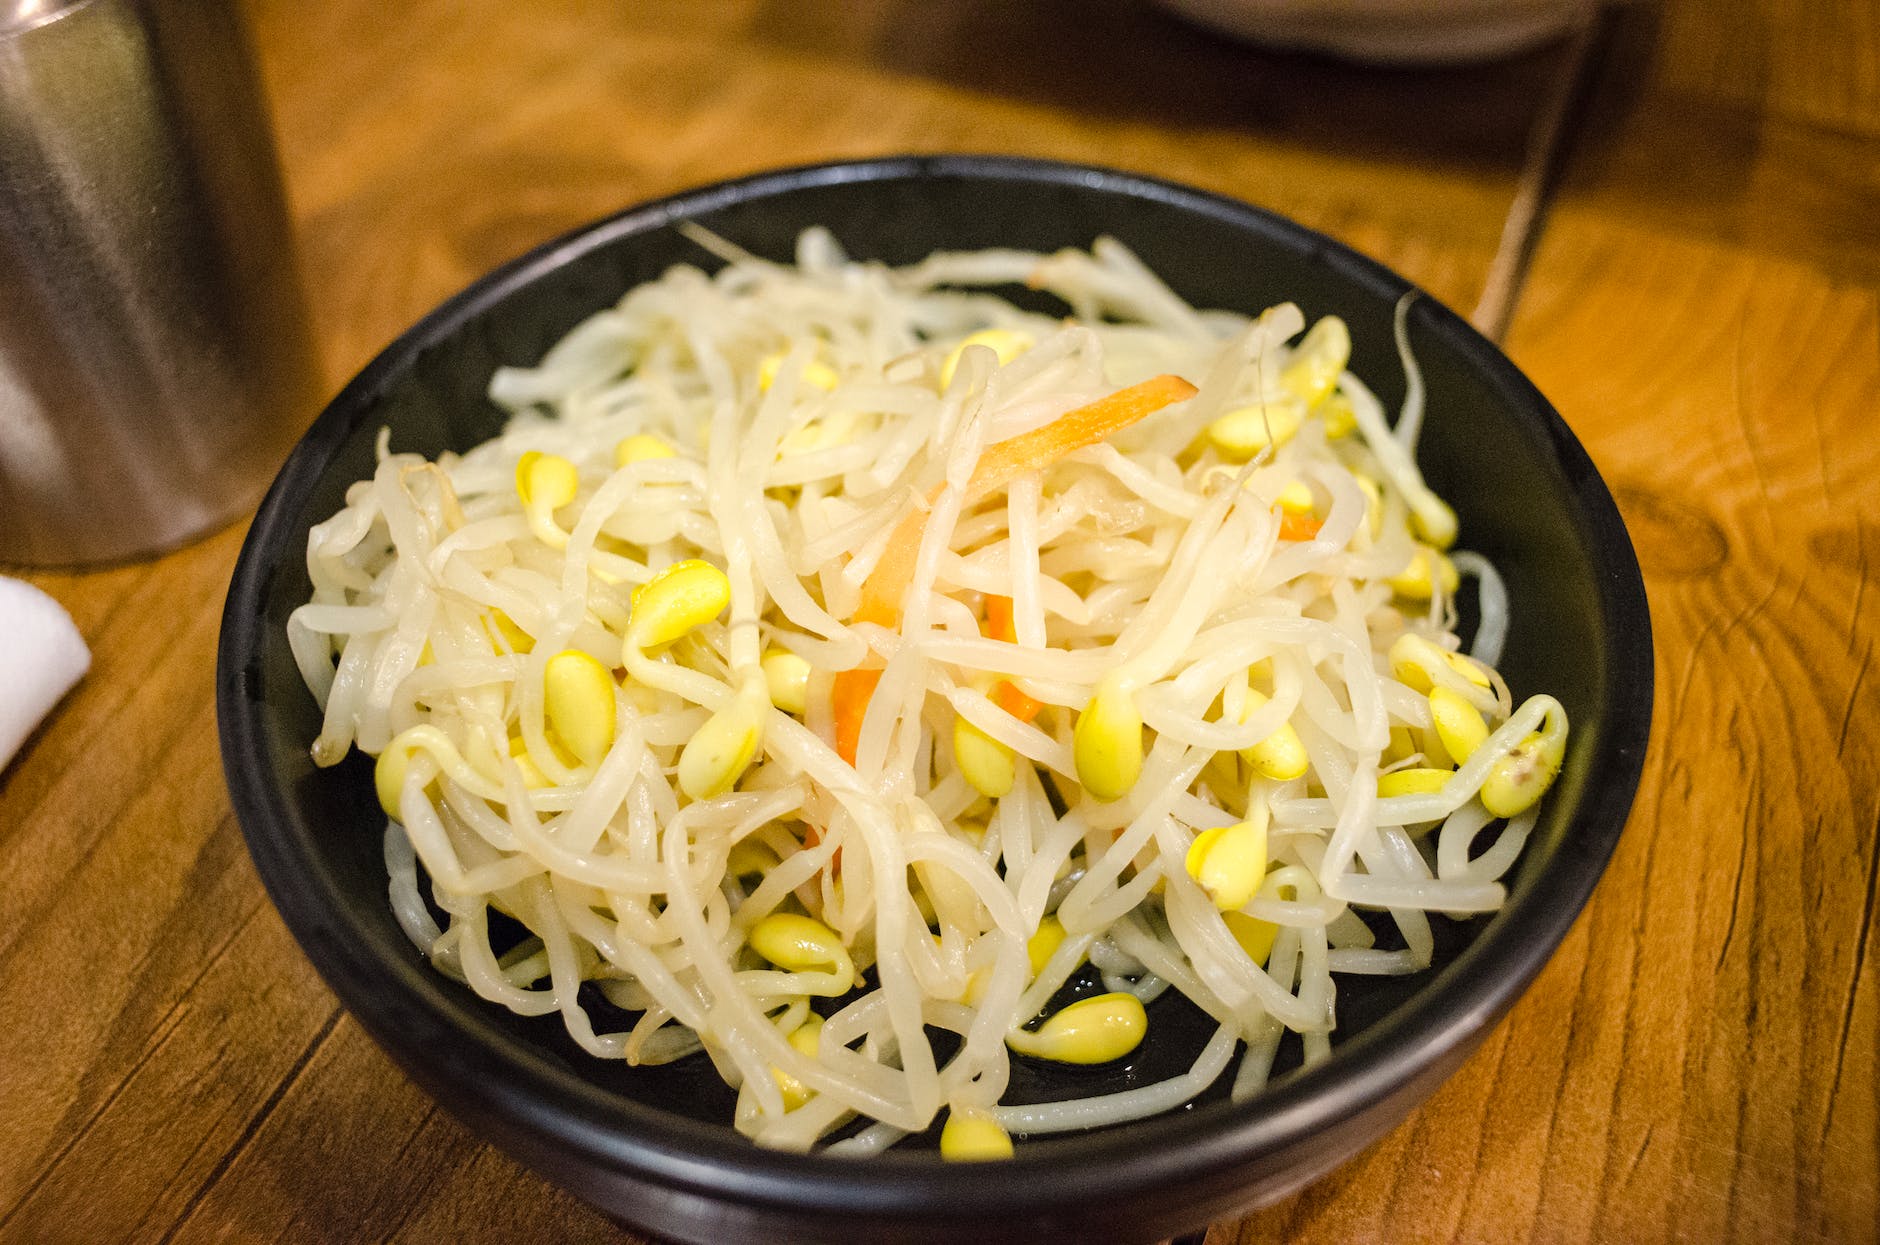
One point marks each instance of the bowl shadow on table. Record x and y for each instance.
(1133, 62)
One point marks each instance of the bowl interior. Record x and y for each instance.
(1526, 494)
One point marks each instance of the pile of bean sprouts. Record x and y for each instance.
(809, 408)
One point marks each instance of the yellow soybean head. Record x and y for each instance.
(1093, 1030)
(1414, 662)
(1041, 946)
(1245, 431)
(1296, 498)
(1427, 569)
(1008, 344)
(794, 1092)
(786, 677)
(532, 776)
(1421, 781)
(504, 627)
(1517, 780)
(801, 944)
(1281, 755)
(805, 1039)
(1340, 420)
(816, 373)
(1107, 743)
(1459, 724)
(1435, 755)
(942, 889)
(970, 1137)
(1412, 658)
(641, 447)
(1317, 360)
(578, 695)
(1222, 776)
(1229, 862)
(546, 481)
(720, 751)
(680, 599)
(750, 855)
(984, 762)
(1469, 669)
(1254, 935)
(1433, 520)
(1373, 503)
(1402, 746)
(388, 777)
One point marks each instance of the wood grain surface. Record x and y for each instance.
(1702, 303)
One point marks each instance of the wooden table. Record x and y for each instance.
(1698, 1061)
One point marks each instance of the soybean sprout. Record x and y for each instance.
(826, 654)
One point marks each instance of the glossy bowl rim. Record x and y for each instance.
(605, 1131)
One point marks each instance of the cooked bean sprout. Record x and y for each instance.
(826, 654)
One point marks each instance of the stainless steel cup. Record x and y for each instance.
(155, 360)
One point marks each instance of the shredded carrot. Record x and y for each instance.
(1000, 464)
(999, 626)
(812, 837)
(1003, 462)
(849, 698)
(887, 583)
(1009, 698)
(1299, 526)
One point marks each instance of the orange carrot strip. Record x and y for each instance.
(1003, 462)
(1015, 702)
(849, 698)
(1000, 464)
(887, 583)
(1299, 526)
(812, 837)
(999, 624)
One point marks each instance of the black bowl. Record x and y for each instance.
(653, 1146)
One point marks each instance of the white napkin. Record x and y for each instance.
(41, 656)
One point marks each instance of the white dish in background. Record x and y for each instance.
(1399, 32)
